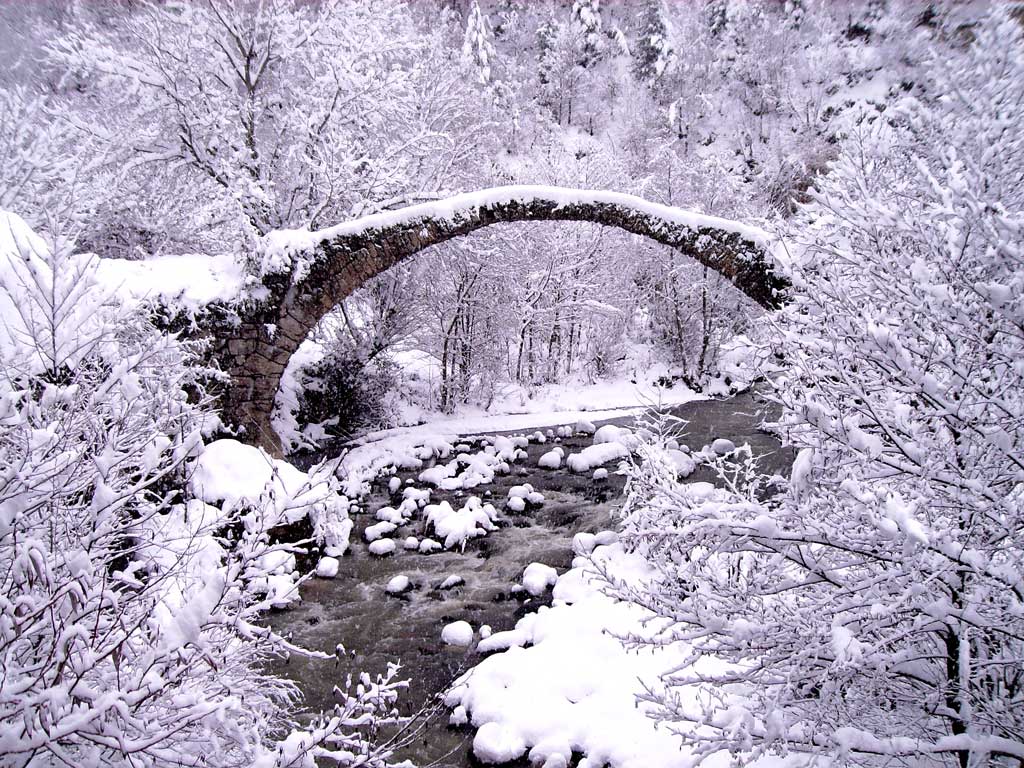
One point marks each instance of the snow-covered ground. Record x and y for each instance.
(551, 406)
(562, 682)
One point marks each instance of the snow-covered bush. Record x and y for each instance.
(33, 173)
(344, 394)
(128, 629)
(874, 612)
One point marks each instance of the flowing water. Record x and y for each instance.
(354, 609)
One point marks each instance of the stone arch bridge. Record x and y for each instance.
(310, 273)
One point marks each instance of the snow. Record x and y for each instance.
(411, 447)
(451, 582)
(583, 543)
(579, 405)
(182, 283)
(394, 516)
(494, 743)
(185, 282)
(521, 496)
(286, 402)
(327, 568)
(596, 455)
(458, 633)
(182, 537)
(550, 460)
(538, 577)
(722, 446)
(430, 545)
(610, 433)
(683, 463)
(398, 585)
(465, 471)
(379, 530)
(235, 476)
(572, 688)
(281, 247)
(457, 526)
(600, 473)
(382, 547)
(280, 589)
(566, 684)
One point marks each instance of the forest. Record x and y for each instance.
(403, 383)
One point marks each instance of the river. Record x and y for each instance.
(354, 609)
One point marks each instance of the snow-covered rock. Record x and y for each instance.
(457, 526)
(567, 684)
(600, 473)
(327, 568)
(398, 585)
(379, 530)
(418, 496)
(583, 543)
(682, 462)
(538, 577)
(596, 455)
(527, 493)
(280, 590)
(458, 717)
(429, 545)
(550, 460)
(458, 633)
(382, 547)
(494, 744)
(722, 446)
(235, 476)
(451, 582)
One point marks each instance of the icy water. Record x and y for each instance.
(375, 628)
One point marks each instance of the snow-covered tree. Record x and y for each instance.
(35, 174)
(129, 620)
(652, 50)
(586, 16)
(275, 114)
(873, 611)
(478, 44)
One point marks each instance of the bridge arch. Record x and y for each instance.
(312, 272)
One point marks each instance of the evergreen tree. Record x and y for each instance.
(586, 15)
(653, 51)
(478, 44)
